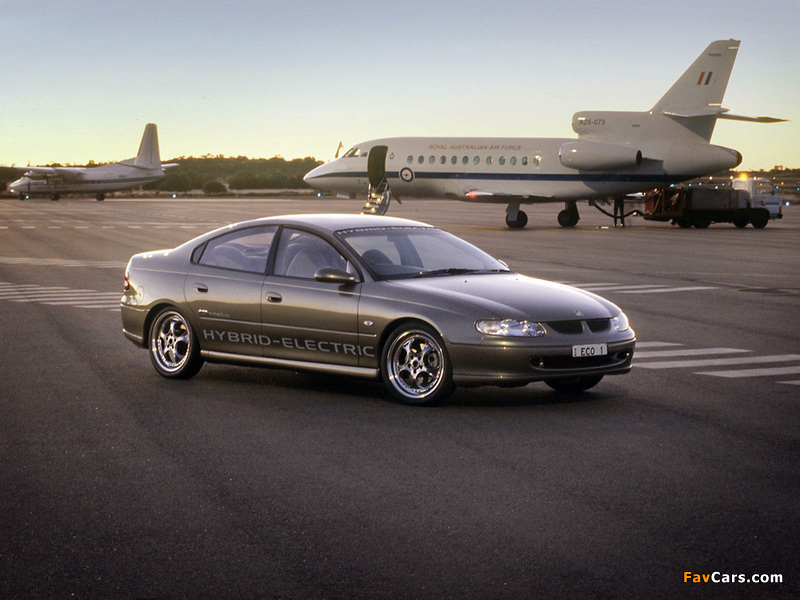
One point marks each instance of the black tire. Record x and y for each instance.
(741, 220)
(173, 346)
(415, 366)
(519, 222)
(574, 384)
(701, 220)
(760, 218)
(567, 218)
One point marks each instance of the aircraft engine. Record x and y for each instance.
(598, 156)
(700, 159)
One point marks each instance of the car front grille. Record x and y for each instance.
(576, 326)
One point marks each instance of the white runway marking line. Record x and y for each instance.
(656, 344)
(694, 288)
(687, 352)
(751, 360)
(59, 296)
(720, 362)
(754, 372)
(651, 288)
(62, 262)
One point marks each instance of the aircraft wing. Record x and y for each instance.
(485, 196)
(65, 172)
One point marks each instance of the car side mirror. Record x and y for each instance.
(334, 275)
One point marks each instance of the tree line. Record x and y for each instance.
(215, 174)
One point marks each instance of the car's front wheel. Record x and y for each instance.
(173, 345)
(415, 366)
(574, 384)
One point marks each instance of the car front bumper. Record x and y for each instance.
(510, 364)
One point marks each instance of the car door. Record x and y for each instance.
(305, 319)
(224, 289)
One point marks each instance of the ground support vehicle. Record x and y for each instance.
(746, 201)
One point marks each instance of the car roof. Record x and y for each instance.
(335, 222)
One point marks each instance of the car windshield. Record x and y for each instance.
(405, 252)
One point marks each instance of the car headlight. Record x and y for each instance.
(510, 328)
(620, 322)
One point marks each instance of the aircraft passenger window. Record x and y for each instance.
(537, 161)
(454, 160)
(513, 160)
(476, 160)
(244, 250)
(431, 159)
(410, 159)
(443, 159)
(525, 161)
(421, 159)
(502, 160)
(465, 160)
(488, 160)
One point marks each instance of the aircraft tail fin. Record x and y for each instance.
(698, 93)
(148, 156)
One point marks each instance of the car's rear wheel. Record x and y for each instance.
(173, 345)
(574, 384)
(415, 366)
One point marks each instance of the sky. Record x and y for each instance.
(293, 78)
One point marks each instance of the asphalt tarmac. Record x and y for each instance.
(254, 483)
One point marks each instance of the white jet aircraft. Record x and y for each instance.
(616, 154)
(144, 168)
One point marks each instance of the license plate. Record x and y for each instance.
(589, 350)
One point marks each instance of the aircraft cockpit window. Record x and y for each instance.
(353, 152)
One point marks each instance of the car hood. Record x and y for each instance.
(508, 296)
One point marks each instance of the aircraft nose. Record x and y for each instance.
(313, 176)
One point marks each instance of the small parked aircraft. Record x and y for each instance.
(144, 168)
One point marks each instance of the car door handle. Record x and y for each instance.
(274, 297)
(201, 287)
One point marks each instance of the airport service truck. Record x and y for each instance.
(745, 201)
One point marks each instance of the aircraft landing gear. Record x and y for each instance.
(54, 197)
(569, 217)
(100, 197)
(515, 218)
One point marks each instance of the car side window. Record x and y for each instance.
(244, 250)
(302, 254)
